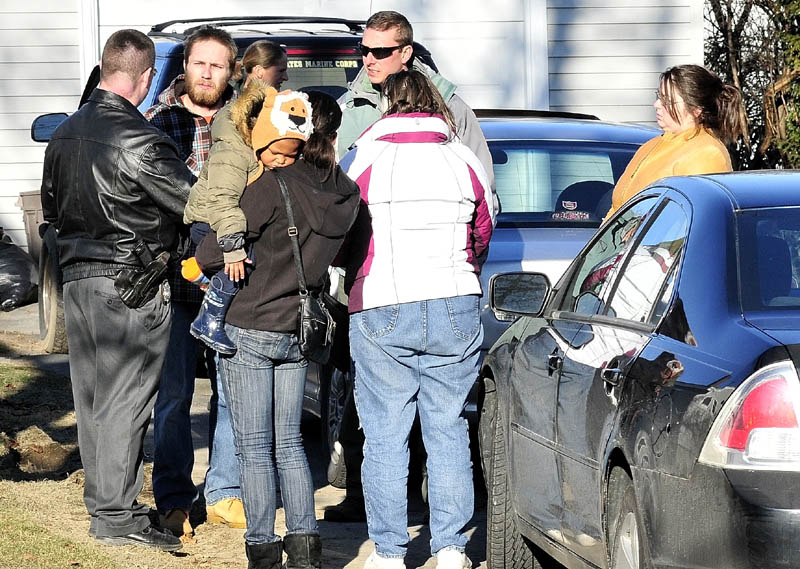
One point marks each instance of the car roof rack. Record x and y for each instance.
(531, 113)
(354, 26)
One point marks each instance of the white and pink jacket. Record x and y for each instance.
(430, 215)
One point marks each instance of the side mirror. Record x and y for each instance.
(44, 126)
(516, 294)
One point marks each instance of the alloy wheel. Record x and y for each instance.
(627, 554)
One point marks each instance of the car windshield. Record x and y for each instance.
(555, 183)
(769, 266)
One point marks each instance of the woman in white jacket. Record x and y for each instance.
(415, 329)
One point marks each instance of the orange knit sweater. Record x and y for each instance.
(693, 151)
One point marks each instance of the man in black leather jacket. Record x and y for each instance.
(115, 189)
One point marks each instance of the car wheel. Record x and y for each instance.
(628, 547)
(505, 547)
(332, 413)
(52, 330)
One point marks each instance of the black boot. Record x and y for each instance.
(349, 510)
(303, 551)
(264, 555)
(209, 326)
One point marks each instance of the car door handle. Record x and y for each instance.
(611, 375)
(554, 363)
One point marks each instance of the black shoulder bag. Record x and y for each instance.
(315, 325)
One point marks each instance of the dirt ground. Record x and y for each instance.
(41, 483)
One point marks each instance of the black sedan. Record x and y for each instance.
(643, 412)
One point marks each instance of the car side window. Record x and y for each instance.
(640, 287)
(587, 292)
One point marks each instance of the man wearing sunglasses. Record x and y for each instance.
(386, 48)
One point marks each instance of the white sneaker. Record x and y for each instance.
(375, 561)
(452, 559)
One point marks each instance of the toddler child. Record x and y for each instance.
(272, 128)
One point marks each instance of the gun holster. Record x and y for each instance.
(136, 287)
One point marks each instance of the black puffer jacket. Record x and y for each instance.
(110, 178)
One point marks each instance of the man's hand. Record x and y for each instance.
(235, 271)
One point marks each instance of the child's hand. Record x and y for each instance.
(235, 271)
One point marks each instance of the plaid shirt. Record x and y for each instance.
(192, 135)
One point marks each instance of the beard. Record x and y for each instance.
(202, 97)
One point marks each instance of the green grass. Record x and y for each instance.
(26, 545)
(25, 384)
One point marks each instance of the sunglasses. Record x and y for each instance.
(378, 52)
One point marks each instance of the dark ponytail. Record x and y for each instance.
(326, 117)
(718, 102)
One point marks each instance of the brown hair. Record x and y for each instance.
(387, 19)
(718, 102)
(262, 52)
(127, 51)
(206, 33)
(326, 115)
(412, 92)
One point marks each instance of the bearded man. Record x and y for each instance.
(185, 112)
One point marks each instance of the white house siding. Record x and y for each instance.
(605, 55)
(482, 46)
(39, 66)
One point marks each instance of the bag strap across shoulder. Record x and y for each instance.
(298, 259)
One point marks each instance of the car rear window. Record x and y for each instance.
(769, 266)
(556, 183)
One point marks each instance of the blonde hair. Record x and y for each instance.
(262, 52)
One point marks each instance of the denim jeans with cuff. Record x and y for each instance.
(264, 383)
(408, 357)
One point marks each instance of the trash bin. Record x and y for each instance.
(31, 205)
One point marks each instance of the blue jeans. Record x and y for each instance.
(264, 382)
(174, 454)
(222, 476)
(408, 357)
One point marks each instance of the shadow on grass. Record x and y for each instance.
(34, 392)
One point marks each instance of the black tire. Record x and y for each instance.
(52, 330)
(333, 402)
(505, 547)
(626, 533)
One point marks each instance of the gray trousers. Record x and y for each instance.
(115, 358)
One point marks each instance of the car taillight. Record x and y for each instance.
(758, 426)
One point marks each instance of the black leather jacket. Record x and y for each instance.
(110, 178)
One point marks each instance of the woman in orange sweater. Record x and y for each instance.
(699, 115)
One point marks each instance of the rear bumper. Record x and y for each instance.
(718, 518)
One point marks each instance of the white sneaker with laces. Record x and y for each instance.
(452, 559)
(375, 561)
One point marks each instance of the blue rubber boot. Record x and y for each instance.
(209, 326)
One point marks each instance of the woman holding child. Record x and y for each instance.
(264, 379)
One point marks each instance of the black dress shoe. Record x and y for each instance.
(149, 536)
(349, 510)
